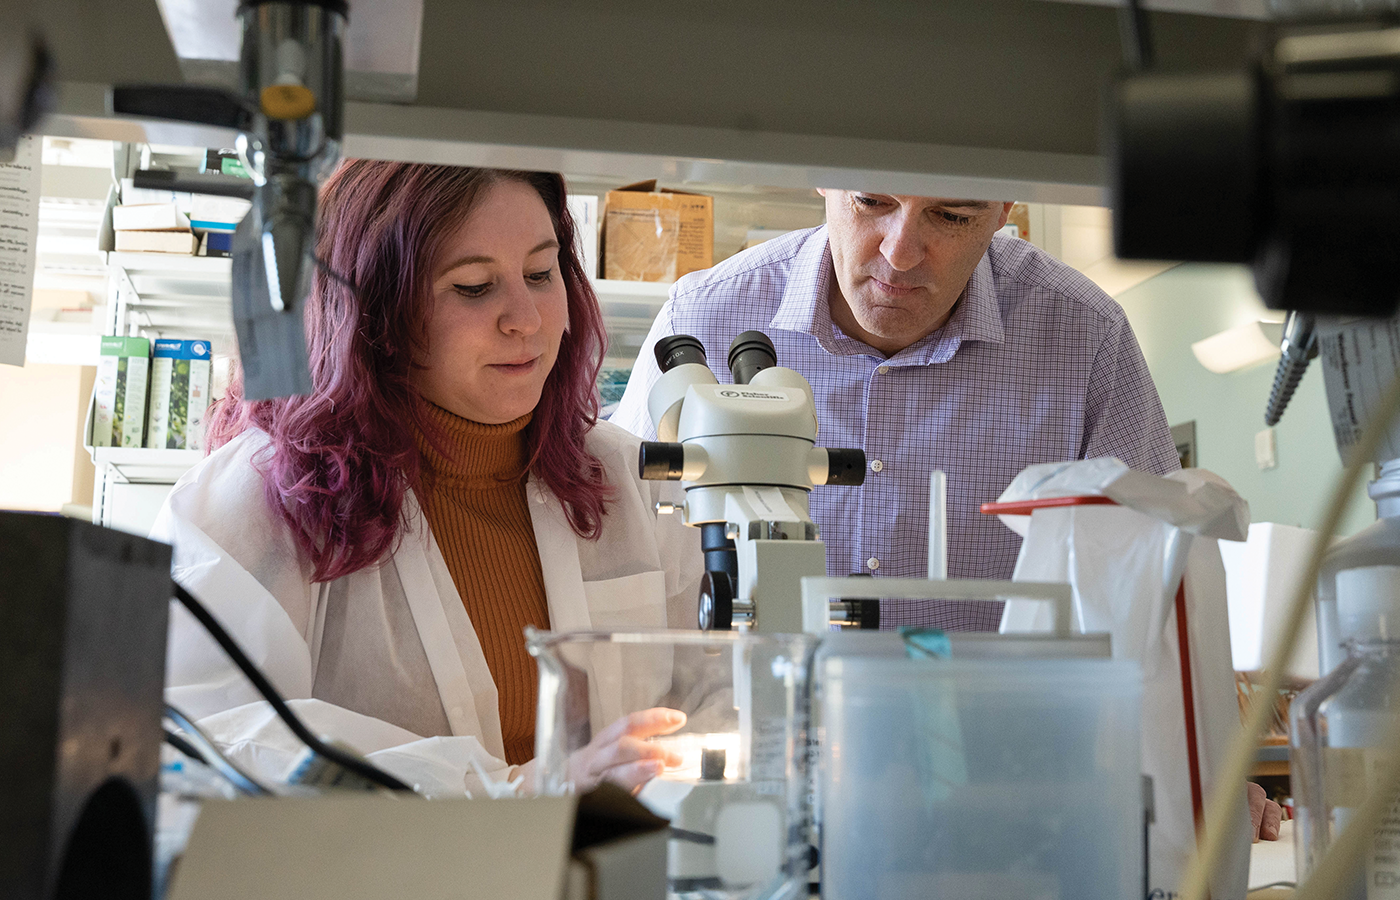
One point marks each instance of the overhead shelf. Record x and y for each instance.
(656, 291)
(138, 465)
(170, 263)
(188, 297)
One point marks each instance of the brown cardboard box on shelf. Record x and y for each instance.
(186, 242)
(656, 235)
(1020, 216)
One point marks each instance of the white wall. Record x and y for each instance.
(42, 465)
(1190, 302)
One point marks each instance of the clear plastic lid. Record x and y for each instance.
(1368, 603)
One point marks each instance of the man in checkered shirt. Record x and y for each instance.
(931, 342)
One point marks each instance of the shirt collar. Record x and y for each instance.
(804, 308)
(976, 317)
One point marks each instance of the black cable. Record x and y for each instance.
(349, 761)
(1136, 35)
(184, 746)
(198, 746)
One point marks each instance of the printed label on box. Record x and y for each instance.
(119, 416)
(181, 378)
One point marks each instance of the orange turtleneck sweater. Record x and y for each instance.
(474, 498)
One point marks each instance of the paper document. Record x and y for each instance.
(19, 232)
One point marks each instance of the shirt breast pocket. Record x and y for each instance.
(623, 604)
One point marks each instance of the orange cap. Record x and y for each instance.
(287, 101)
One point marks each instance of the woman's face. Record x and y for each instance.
(499, 309)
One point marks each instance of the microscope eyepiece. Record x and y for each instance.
(846, 467)
(750, 354)
(679, 349)
(660, 461)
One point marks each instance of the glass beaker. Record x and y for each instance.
(1339, 728)
(739, 800)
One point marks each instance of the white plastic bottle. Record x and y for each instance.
(1338, 733)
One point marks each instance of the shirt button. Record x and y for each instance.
(872, 563)
(877, 466)
(883, 370)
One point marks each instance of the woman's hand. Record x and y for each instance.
(620, 753)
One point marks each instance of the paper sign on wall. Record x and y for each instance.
(19, 232)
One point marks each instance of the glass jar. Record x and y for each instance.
(1338, 733)
(1378, 544)
(739, 801)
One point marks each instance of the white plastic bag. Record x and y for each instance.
(1125, 564)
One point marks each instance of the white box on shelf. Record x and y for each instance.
(212, 213)
(133, 195)
(182, 242)
(584, 210)
(149, 217)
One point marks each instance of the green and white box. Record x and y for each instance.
(123, 372)
(181, 379)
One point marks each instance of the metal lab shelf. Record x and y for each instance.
(138, 465)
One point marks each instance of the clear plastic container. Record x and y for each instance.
(1377, 544)
(1338, 733)
(980, 778)
(739, 801)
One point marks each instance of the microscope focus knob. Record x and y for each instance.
(845, 466)
(716, 602)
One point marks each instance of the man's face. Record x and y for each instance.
(902, 262)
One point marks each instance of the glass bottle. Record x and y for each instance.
(1338, 733)
(1376, 545)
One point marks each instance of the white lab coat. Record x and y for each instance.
(386, 659)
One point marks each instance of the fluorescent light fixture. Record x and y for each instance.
(1240, 347)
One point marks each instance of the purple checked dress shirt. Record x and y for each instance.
(1036, 364)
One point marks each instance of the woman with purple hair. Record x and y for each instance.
(379, 545)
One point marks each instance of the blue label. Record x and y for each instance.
(169, 349)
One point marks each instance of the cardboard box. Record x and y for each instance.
(371, 845)
(1020, 217)
(134, 196)
(181, 380)
(212, 213)
(149, 217)
(119, 396)
(186, 242)
(223, 162)
(656, 235)
(216, 244)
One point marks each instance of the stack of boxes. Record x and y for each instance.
(153, 228)
(156, 221)
(157, 402)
